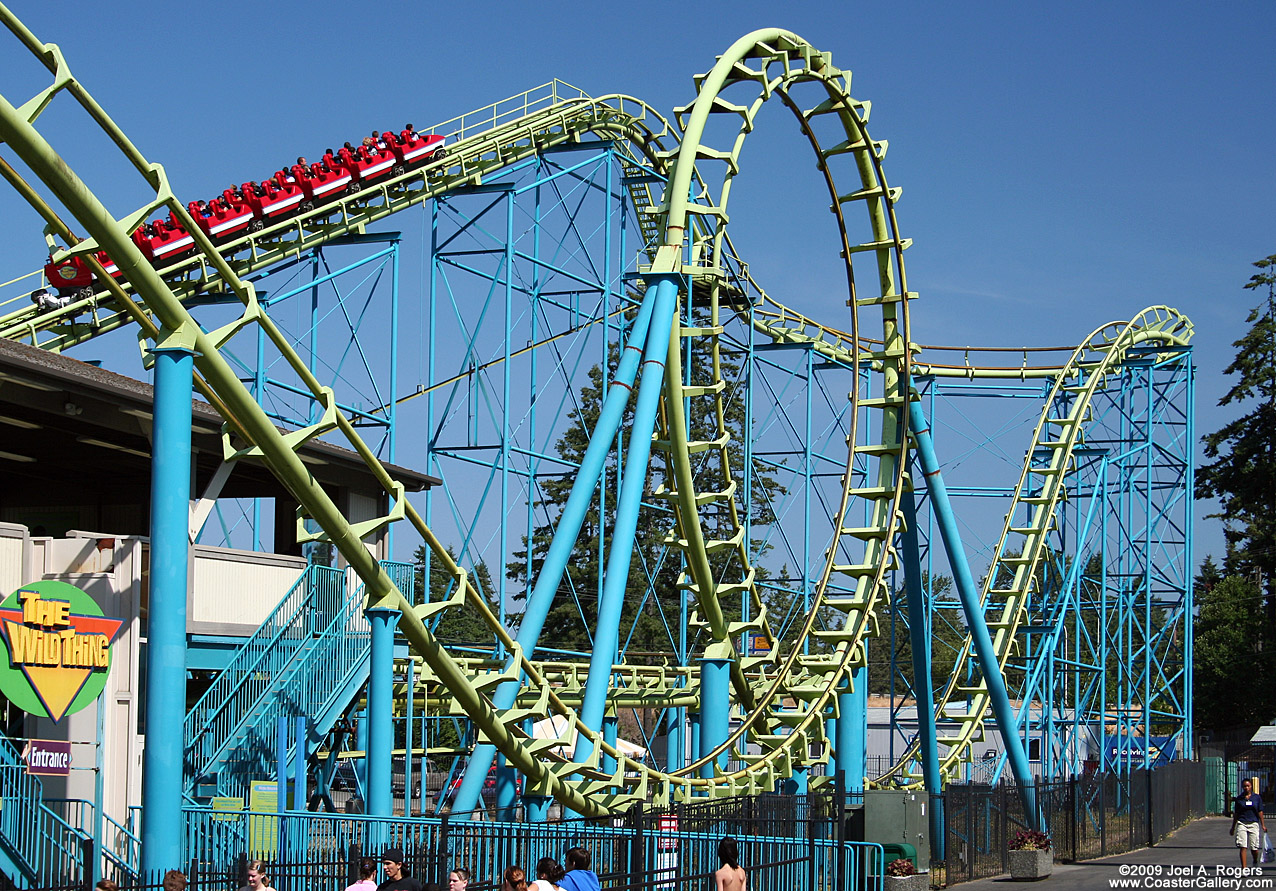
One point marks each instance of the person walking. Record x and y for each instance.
(579, 876)
(367, 876)
(730, 876)
(1247, 822)
(548, 875)
(395, 880)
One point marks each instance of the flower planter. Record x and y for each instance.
(916, 882)
(1028, 866)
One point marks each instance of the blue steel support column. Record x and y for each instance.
(381, 709)
(299, 765)
(281, 764)
(831, 735)
(923, 689)
(361, 743)
(693, 726)
(675, 742)
(166, 625)
(715, 710)
(506, 789)
(609, 737)
(852, 733)
(408, 746)
(625, 526)
(969, 595)
(569, 523)
(536, 808)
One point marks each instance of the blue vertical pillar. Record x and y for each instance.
(675, 741)
(361, 764)
(715, 709)
(536, 808)
(281, 763)
(409, 748)
(381, 710)
(506, 788)
(166, 622)
(609, 736)
(923, 688)
(852, 733)
(299, 764)
(693, 726)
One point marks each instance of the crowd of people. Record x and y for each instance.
(574, 874)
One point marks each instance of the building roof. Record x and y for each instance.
(1266, 736)
(75, 433)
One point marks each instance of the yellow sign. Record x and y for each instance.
(58, 647)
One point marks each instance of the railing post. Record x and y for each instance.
(353, 856)
(810, 845)
(1005, 829)
(87, 847)
(1147, 804)
(637, 847)
(443, 849)
(839, 814)
(1074, 817)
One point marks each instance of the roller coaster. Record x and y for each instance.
(789, 470)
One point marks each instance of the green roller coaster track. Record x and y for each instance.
(785, 697)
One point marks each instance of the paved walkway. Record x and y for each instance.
(1203, 842)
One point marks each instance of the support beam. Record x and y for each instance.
(967, 591)
(628, 503)
(543, 592)
(381, 710)
(166, 625)
(923, 688)
(715, 710)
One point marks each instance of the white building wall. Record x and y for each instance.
(230, 593)
(13, 548)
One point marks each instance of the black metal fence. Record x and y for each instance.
(1086, 817)
(785, 842)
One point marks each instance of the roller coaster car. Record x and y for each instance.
(163, 240)
(417, 149)
(368, 166)
(225, 217)
(325, 185)
(274, 200)
(69, 276)
(73, 274)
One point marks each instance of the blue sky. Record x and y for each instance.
(1063, 165)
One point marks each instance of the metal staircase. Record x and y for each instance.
(308, 659)
(38, 849)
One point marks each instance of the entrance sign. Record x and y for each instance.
(55, 649)
(48, 757)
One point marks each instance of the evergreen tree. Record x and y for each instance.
(947, 634)
(1231, 685)
(651, 611)
(1242, 475)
